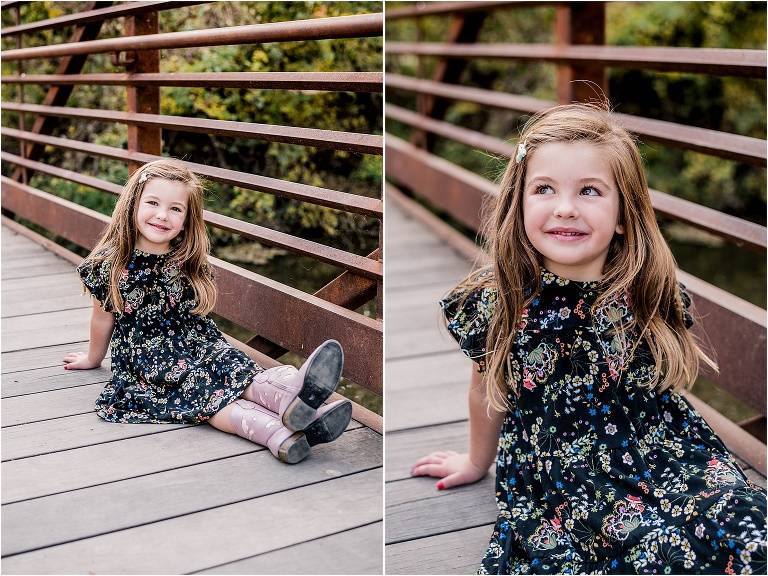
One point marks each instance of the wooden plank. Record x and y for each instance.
(437, 385)
(34, 259)
(51, 378)
(428, 555)
(415, 508)
(407, 446)
(443, 259)
(43, 357)
(35, 270)
(414, 298)
(420, 341)
(64, 434)
(233, 532)
(104, 508)
(49, 405)
(51, 464)
(49, 329)
(43, 305)
(347, 552)
(71, 432)
(60, 284)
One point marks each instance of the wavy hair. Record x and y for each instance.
(639, 262)
(190, 248)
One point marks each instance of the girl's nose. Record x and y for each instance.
(566, 208)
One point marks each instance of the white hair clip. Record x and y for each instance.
(521, 152)
(143, 178)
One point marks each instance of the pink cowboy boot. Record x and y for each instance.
(297, 394)
(259, 425)
(329, 423)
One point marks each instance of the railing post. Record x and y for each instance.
(580, 23)
(464, 30)
(58, 95)
(143, 99)
(22, 120)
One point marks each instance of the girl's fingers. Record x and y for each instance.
(434, 457)
(436, 470)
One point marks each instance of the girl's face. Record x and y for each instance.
(161, 214)
(571, 208)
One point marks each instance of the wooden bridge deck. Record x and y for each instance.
(427, 531)
(83, 496)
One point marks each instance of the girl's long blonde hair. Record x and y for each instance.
(190, 248)
(639, 262)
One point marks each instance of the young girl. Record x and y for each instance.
(152, 288)
(579, 328)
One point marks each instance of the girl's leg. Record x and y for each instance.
(261, 426)
(297, 394)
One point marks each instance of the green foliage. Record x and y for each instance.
(727, 104)
(339, 111)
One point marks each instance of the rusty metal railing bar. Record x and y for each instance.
(447, 130)
(70, 175)
(356, 26)
(360, 265)
(327, 81)
(128, 9)
(303, 192)
(721, 144)
(349, 141)
(280, 304)
(735, 230)
(712, 61)
(451, 8)
(6, 4)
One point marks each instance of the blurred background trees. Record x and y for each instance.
(343, 111)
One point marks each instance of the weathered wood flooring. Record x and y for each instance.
(82, 496)
(429, 531)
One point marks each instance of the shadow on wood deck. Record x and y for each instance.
(429, 532)
(83, 496)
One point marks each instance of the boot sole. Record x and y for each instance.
(320, 380)
(294, 449)
(330, 425)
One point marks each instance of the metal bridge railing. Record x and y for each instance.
(283, 318)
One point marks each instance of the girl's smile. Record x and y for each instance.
(161, 214)
(571, 208)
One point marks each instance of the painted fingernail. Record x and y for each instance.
(411, 471)
(440, 486)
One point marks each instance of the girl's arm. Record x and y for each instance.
(102, 324)
(484, 427)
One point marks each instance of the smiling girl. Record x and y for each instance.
(579, 329)
(153, 288)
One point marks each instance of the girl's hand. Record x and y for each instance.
(78, 361)
(453, 468)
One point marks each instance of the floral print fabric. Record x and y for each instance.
(168, 364)
(595, 473)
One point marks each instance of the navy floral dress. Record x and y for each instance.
(595, 473)
(169, 365)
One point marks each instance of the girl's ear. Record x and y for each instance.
(620, 229)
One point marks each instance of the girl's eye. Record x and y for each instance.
(590, 191)
(152, 202)
(545, 189)
(177, 209)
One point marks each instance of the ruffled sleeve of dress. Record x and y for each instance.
(468, 316)
(95, 278)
